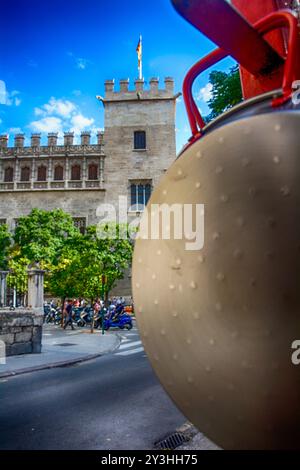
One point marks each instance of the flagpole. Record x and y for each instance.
(141, 61)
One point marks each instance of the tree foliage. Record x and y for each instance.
(17, 266)
(226, 91)
(75, 264)
(42, 234)
(5, 241)
(115, 251)
(85, 259)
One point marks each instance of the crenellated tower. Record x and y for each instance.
(139, 137)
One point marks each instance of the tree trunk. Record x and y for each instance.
(62, 312)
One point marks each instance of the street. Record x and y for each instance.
(113, 402)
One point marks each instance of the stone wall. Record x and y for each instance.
(77, 203)
(21, 331)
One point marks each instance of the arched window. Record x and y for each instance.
(8, 174)
(58, 173)
(25, 173)
(93, 172)
(75, 172)
(42, 173)
(139, 140)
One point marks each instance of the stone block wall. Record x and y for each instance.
(21, 331)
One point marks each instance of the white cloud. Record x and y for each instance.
(80, 62)
(47, 124)
(59, 115)
(76, 92)
(205, 93)
(15, 130)
(57, 107)
(2, 92)
(8, 98)
(14, 93)
(80, 122)
(1, 121)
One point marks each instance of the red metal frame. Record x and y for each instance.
(227, 28)
(253, 11)
(269, 23)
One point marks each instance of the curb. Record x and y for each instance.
(54, 365)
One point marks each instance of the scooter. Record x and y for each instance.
(118, 319)
(85, 316)
(77, 311)
(52, 315)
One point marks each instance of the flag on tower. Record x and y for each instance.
(139, 54)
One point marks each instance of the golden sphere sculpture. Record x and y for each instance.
(218, 323)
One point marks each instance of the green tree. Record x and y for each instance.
(77, 271)
(42, 234)
(226, 91)
(17, 266)
(84, 259)
(5, 242)
(115, 248)
(75, 264)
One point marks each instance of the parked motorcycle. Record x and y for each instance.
(85, 316)
(118, 319)
(52, 315)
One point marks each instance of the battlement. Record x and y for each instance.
(52, 140)
(141, 90)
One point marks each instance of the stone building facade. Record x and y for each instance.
(128, 159)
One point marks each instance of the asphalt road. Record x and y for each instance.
(114, 402)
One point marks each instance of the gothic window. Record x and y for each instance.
(58, 173)
(80, 223)
(2, 221)
(139, 140)
(25, 173)
(140, 194)
(8, 174)
(42, 173)
(93, 172)
(76, 172)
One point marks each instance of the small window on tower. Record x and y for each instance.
(139, 140)
(140, 193)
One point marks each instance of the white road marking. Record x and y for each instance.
(130, 351)
(133, 343)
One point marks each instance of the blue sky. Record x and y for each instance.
(55, 56)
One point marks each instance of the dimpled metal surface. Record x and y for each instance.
(218, 324)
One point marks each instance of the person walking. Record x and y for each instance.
(68, 312)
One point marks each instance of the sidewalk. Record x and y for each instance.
(61, 348)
